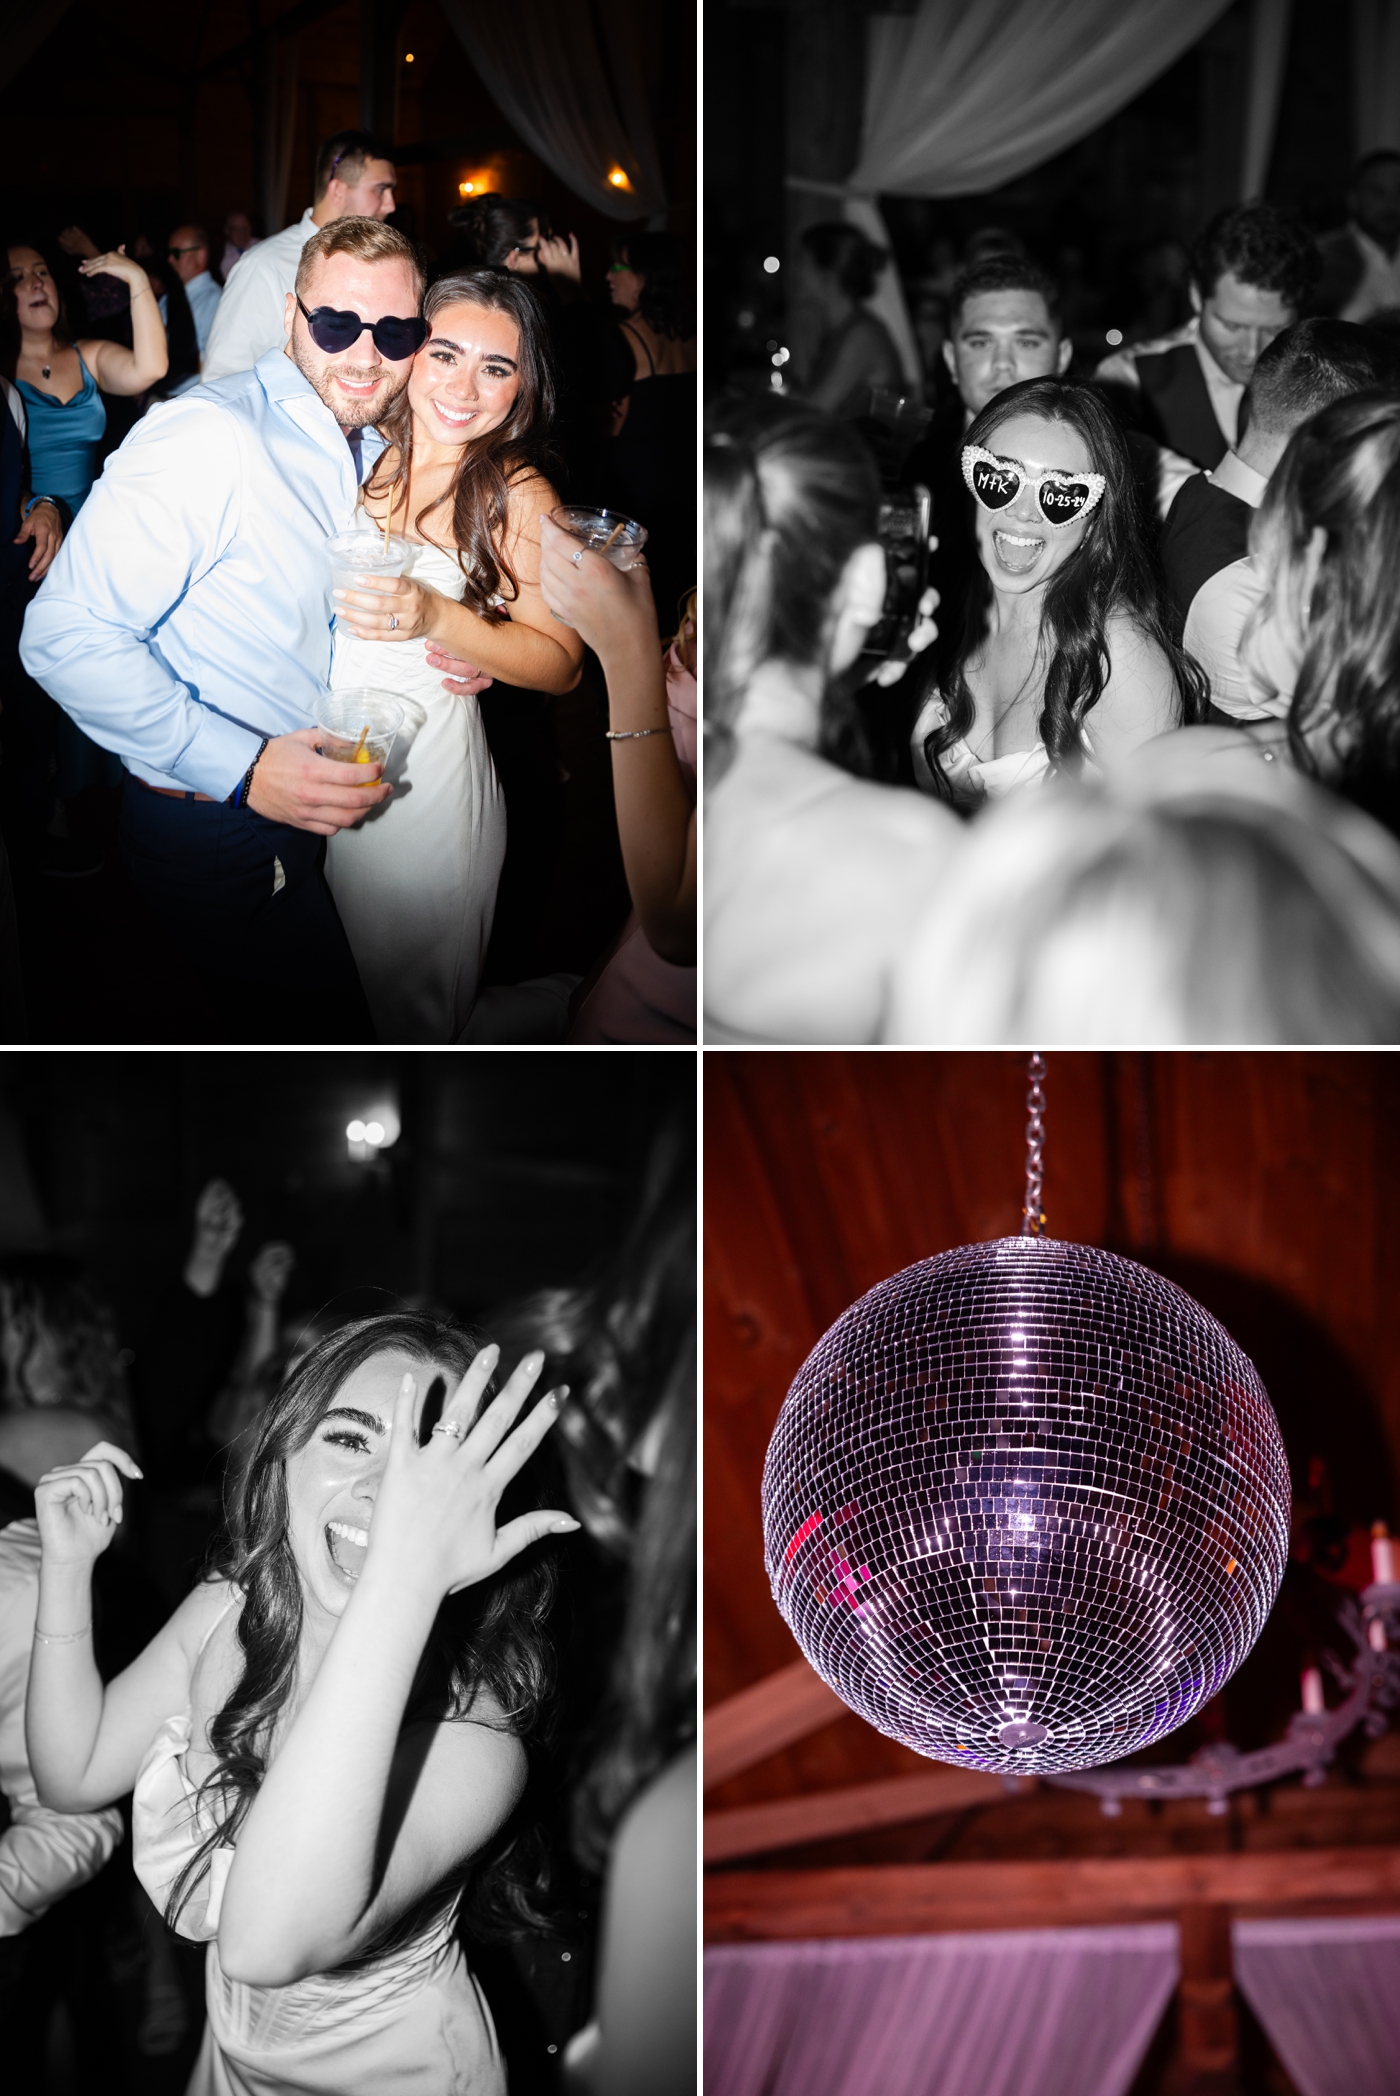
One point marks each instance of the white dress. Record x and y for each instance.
(413, 2022)
(415, 882)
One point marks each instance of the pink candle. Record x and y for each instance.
(1313, 1701)
(1382, 1556)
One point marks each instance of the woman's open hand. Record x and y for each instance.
(80, 1504)
(116, 264)
(377, 599)
(435, 1513)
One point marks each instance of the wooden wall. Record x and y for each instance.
(1265, 1183)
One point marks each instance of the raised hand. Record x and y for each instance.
(116, 264)
(434, 1525)
(271, 1270)
(79, 1504)
(611, 607)
(74, 241)
(218, 1219)
(557, 256)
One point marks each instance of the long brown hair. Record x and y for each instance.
(492, 1637)
(480, 490)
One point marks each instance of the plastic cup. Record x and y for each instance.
(344, 713)
(356, 553)
(594, 527)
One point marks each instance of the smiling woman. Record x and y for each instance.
(1066, 657)
(462, 480)
(330, 1741)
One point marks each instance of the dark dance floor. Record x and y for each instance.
(96, 969)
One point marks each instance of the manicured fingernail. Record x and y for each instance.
(405, 1383)
(535, 1358)
(563, 1528)
(557, 1397)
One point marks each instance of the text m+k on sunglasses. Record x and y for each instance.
(1060, 498)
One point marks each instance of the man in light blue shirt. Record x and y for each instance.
(188, 254)
(187, 626)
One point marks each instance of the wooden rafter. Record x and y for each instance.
(930, 1898)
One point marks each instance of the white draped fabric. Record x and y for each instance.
(1375, 53)
(1269, 24)
(1328, 1996)
(1061, 2012)
(967, 94)
(542, 65)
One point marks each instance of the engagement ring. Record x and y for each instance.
(393, 628)
(577, 558)
(448, 1426)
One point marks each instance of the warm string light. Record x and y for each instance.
(618, 177)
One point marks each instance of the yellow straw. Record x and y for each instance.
(614, 533)
(364, 732)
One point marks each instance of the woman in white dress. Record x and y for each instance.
(328, 1741)
(1065, 657)
(415, 882)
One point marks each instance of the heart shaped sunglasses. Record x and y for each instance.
(394, 338)
(1061, 498)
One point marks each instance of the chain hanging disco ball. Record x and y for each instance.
(1026, 1506)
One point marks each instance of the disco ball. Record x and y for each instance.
(1026, 1506)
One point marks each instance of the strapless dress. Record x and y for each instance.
(969, 779)
(415, 883)
(412, 2023)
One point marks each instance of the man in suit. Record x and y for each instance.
(1309, 365)
(1214, 585)
(1251, 271)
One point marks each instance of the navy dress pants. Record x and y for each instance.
(247, 905)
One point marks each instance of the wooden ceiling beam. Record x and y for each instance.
(855, 1808)
(934, 1898)
(764, 1719)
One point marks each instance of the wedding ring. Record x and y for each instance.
(393, 628)
(449, 1426)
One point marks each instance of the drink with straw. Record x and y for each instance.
(619, 539)
(360, 727)
(356, 553)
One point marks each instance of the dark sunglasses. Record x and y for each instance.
(394, 338)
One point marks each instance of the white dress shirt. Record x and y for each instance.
(188, 613)
(249, 322)
(43, 1854)
(1258, 689)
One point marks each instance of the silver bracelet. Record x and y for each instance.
(69, 1637)
(631, 734)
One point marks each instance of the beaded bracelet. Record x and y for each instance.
(239, 796)
(631, 734)
(69, 1637)
(35, 500)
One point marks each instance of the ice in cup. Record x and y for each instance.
(620, 539)
(356, 553)
(344, 714)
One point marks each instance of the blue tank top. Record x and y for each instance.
(63, 440)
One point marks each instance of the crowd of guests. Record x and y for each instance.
(171, 1477)
(93, 343)
(1143, 782)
